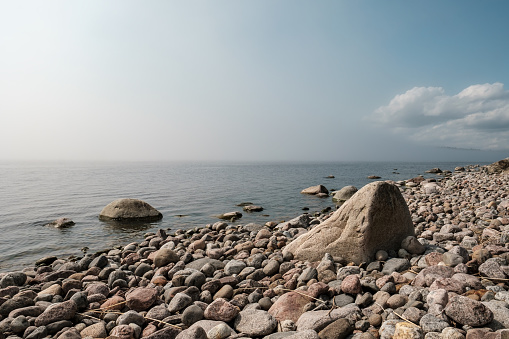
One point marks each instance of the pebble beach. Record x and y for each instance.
(234, 280)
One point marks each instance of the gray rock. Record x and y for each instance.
(467, 311)
(179, 302)
(191, 315)
(131, 317)
(193, 333)
(207, 325)
(490, 268)
(388, 327)
(129, 209)
(234, 267)
(395, 265)
(500, 312)
(199, 263)
(412, 245)
(376, 217)
(430, 323)
(313, 190)
(452, 259)
(342, 300)
(255, 322)
(39, 333)
(344, 194)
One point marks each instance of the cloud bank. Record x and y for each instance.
(477, 117)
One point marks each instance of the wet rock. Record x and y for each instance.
(129, 209)
(61, 223)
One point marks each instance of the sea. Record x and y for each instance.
(188, 194)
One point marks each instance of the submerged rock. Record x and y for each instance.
(61, 223)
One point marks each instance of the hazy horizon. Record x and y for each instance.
(254, 81)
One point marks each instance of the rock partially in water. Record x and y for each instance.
(61, 223)
(230, 216)
(130, 209)
(314, 190)
(253, 208)
(344, 194)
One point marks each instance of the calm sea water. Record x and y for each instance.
(33, 194)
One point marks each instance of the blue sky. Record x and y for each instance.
(254, 80)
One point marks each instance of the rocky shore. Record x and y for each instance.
(227, 280)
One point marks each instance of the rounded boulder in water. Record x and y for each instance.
(130, 209)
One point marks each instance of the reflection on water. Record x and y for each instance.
(124, 226)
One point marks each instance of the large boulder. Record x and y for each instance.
(129, 209)
(501, 166)
(375, 218)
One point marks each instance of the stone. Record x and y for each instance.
(179, 302)
(129, 209)
(470, 312)
(230, 216)
(130, 317)
(252, 208)
(55, 312)
(255, 323)
(61, 223)
(207, 325)
(169, 332)
(234, 267)
(406, 330)
(344, 194)
(338, 329)
(314, 190)
(431, 323)
(141, 298)
(123, 332)
(97, 330)
(289, 306)
(375, 218)
(395, 265)
(193, 333)
(221, 310)
(412, 245)
(15, 303)
(351, 284)
(164, 256)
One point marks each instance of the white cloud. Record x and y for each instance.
(477, 117)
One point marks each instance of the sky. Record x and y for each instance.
(283, 80)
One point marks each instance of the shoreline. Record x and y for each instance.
(244, 268)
